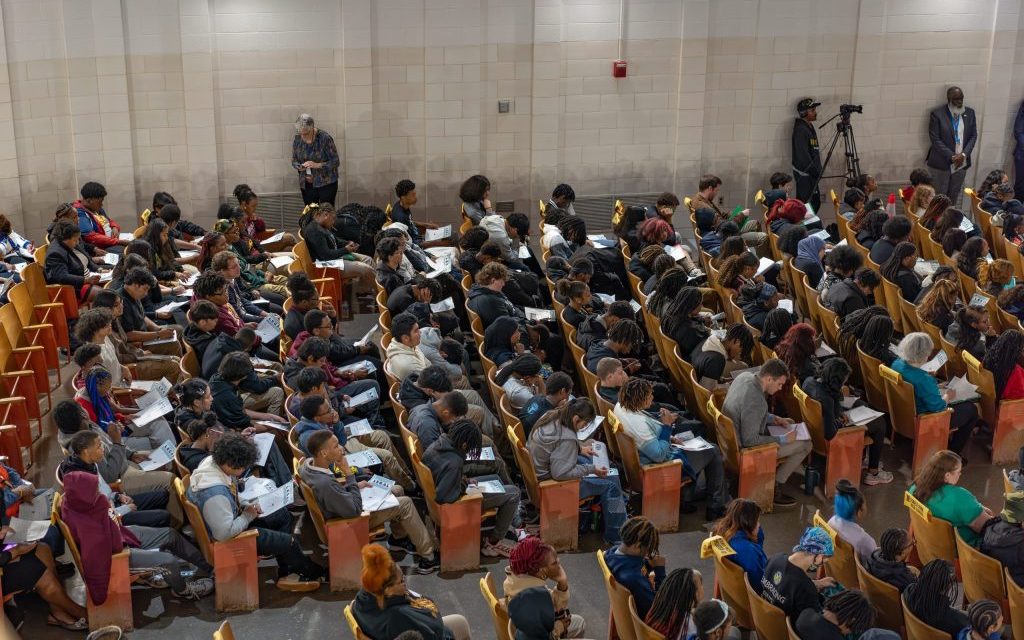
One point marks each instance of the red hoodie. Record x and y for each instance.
(91, 225)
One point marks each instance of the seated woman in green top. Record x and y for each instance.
(935, 486)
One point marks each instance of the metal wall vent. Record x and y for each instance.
(280, 210)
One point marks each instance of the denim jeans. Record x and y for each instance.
(613, 507)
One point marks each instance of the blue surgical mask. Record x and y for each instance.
(1011, 284)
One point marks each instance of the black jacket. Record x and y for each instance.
(491, 305)
(228, 404)
(446, 464)
(895, 573)
(191, 457)
(389, 278)
(813, 625)
(293, 323)
(1005, 542)
(881, 250)
(397, 617)
(908, 282)
(815, 272)
(400, 299)
(949, 619)
(426, 424)
(689, 333)
(806, 155)
(63, 267)
(410, 395)
(591, 330)
(940, 131)
(321, 242)
(199, 340)
(845, 297)
(831, 405)
(219, 347)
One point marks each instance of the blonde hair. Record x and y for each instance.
(919, 201)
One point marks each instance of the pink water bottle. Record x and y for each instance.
(890, 208)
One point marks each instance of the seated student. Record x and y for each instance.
(521, 379)
(785, 214)
(253, 225)
(716, 358)
(787, 581)
(531, 564)
(623, 338)
(853, 203)
(712, 238)
(935, 485)
(147, 365)
(944, 272)
(98, 229)
(709, 188)
(95, 397)
(914, 350)
(899, 269)
(389, 257)
(94, 327)
(244, 289)
(421, 289)
(737, 271)
(344, 385)
(930, 598)
(213, 288)
(971, 259)
(443, 344)
(595, 328)
(1003, 538)
(895, 230)
(404, 355)
(714, 621)
(781, 188)
(755, 301)
(917, 177)
(213, 488)
(810, 252)
(386, 608)
(641, 263)
(889, 561)
(985, 617)
(671, 613)
(741, 528)
(485, 297)
(846, 614)
(304, 298)
(67, 264)
(98, 533)
(968, 331)
(747, 406)
(204, 434)
(872, 229)
(446, 459)
(337, 493)
(849, 506)
(558, 455)
(429, 420)
(579, 301)
(655, 435)
(148, 508)
(671, 283)
(557, 390)
(951, 220)
(939, 204)
(996, 277)
(324, 246)
(1012, 301)
(919, 202)
(401, 211)
(502, 340)
(682, 321)
(661, 264)
(1003, 361)
(636, 562)
(260, 392)
(938, 306)
(776, 324)
(827, 388)
(852, 293)
(432, 383)
(138, 326)
(119, 463)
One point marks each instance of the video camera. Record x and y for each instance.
(847, 109)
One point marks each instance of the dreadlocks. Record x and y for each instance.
(890, 268)
(639, 532)
(465, 436)
(626, 332)
(633, 395)
(574, 230)
(776, 324)
(674, 602)
(852, 610)
(852, 328)
(892, 543)
(1003, 356)
(733, 267)
(668, 286)
(928, 598)
(741, 334)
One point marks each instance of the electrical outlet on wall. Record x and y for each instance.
(504, 106)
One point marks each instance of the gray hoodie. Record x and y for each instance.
(210, 489)
(555, 449)
(430, 345)
(746, 405)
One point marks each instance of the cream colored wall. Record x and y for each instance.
(194, 96)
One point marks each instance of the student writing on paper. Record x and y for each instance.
(446, 460)
(213, 489)
(213, 287)
(137, 325)
(622, 341)
(1003, 360)
(738, 271)
(352, 382)
(595, 328)
(755, 301)
(317, 224)
(521, 379)
(827, 387)
(342, 351)
(716, 358)
(96, 398)
(67, 264)
(968, 332)
(914, 351)
(581, 304)
(317, 414)
(337, 494)
(654, 436)
(787, 213)
(558, 455)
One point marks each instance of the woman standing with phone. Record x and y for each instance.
(315, 157)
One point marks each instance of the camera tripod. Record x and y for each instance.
(844, 130)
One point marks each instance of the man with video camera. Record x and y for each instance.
(806, 156)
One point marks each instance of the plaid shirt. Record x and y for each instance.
(322, 150)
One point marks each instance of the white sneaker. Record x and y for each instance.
(880, 477)
(195, 589)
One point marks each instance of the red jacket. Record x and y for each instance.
(1014, 389)
(92, 227)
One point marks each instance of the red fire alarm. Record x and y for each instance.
(618, 68)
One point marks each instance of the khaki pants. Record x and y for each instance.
(271, 401)
(393, 467)
(156, 369)
(405, 522)
(791, 455)
(363, 270)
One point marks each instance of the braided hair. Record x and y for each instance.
(574, 230)
(983, 615)
(674, 602)
(647, 255)
(1003, 357)
(877, 336)
(741, 334)
(929, 597)
(640, 532)
(679, 312)
(733, 267)
(633, 396)
(892, 543)
(852, 610)
(626, 332)
(525, 364)
(890, 269)
(941, 297)
(940, 202)
(665, 291)
(465, 436)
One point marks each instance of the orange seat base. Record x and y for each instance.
(345, 541)
(560, 515)
(234, 563)
(757, 477)
(460, 535)
(661, 489)
(117, 608)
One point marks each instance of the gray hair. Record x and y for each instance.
(305, 120)
(916, 348)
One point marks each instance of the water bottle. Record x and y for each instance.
(811, 479)
(890, 208)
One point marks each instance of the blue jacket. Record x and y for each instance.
(631, 572)
(926, 389)
(749, 555)
(306, 427)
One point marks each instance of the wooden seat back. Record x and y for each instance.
(499, 616)
(1005, 416)
(769, 620)
(929, 431)
(643, 632)
(883, 596)
(1015, 598)
(934, 535)
(729, 579)
(841, 565)
(353, 626)
(918, 629)
(982, 574)
(618, 596)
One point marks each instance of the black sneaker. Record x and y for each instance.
(781, 499)
(427, 565)
(401, 544)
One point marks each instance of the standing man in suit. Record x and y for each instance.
(953, 129)
(806, 155)
(1018, 153)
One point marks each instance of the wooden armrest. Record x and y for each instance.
(466, 498)
(760, 447)
(116, 485)
(340, 522)
(660, 465)
(38, 327)
(854, 429)
(48, 304)
(27, 349)
(544, 484)
(12, 400)
(248, 533)
(17, 374)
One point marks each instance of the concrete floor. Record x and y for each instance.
(284, 616)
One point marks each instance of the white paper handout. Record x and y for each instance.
(430, 235)
(979, 300)
(156, 391)
(696, 443)
(282, 261)
(156, 341)
(787, 304)
(125, 236)
(849, 401)
(764, 265)
(158, 457)
(277, 499)
(337, 263)
(365, 340)
(600, 458)
(172, 306)
(39, 508)
(362, 365)
(935, 363)
(445, 305)
(378, 496)
(862, 415)
(104, 277)
(824, 350)
(605, 297)
(160, 407)
(256, 487)
(676, 251)
(486, 455)
(635, 305)
(264, 442)
(524, 252)
(279, 426)
(442, 265)
(964, 389)
(780, 430)
(538, 315)
(966, 225)
(362, 459)
(357, 400)
(277, 237)
(490, 486)
(589, 430)
(111, 258)
(359, 428)
(823, 234)
(269, 327)
(25, 531)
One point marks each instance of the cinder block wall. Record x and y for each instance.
(195, 96)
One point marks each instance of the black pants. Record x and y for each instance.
(804, 186)
(961, 423)
(150, 510)
(323, 193)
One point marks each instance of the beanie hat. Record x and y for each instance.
(378, 567)
(766, 292)
(815, 541)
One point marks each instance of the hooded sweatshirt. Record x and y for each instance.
(403, 360)
(397, 616)
(532, 613)
(214, 492)
(430, 347)
(632, 572)
(1004, 541)
(410, 395)
(498, 339)
(490, 305)
(115, 456)
(425, 423)
(895, 573)
(555, 452)
(198, 339)
(337, 497)
(446, 464)
(98, 535)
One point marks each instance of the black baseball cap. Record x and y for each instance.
(806, 105)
